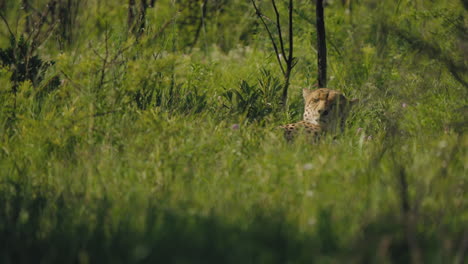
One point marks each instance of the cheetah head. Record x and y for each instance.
(325, 107)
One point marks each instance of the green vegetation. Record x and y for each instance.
(159, 145)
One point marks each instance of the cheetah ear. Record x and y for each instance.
(306, 92)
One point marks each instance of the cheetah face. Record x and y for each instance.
(325, 107)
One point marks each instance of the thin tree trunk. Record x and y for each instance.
(284, 97)
(131, 15)
(321, 45)
(136, 19)
(200, 25)
(28, 23)
(66, 9)
(290, 59)
(281, 51)
(142, 16)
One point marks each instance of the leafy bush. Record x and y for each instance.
(154, 152)
(257, 101)
(24, 65)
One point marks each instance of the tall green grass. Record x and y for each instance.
(162, 153)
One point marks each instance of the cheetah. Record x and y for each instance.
(325, 110)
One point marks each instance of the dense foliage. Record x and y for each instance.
(159, 144)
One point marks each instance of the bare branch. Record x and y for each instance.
(321, 45)
(269, 19)
(6, 24)
(34, 36)
(288, 59)
(278, 27)
(27, 5)
(97, 53)
(163, 27)
(275, 47)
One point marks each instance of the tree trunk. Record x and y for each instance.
(142, 16)
(65, 15)
(321, 45)
(131, 15)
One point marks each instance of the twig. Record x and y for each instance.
(290, 59)
(29, 6)
(104, 61)
(37, 28)
(200, 25)
(259, 14)
(278, 26)
(164, 26)
(321, 45)
(6, 24)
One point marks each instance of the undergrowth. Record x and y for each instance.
(124, 148)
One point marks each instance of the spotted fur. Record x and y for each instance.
(290, 130)
(325, 110)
